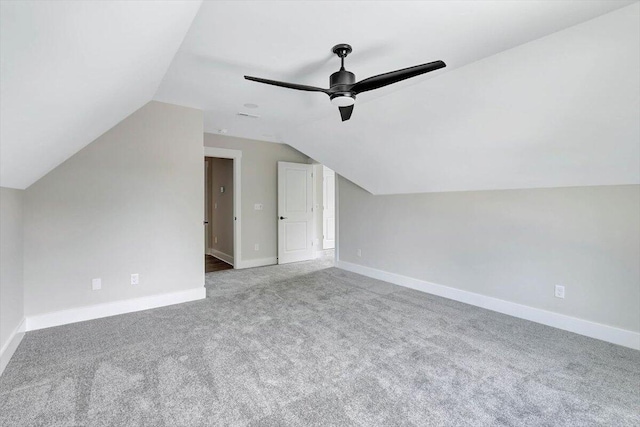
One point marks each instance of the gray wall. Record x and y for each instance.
(11, 262)
(221, 218)
(514, 245)
(130, 202)
(259, 185)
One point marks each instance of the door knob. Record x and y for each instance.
(283, 217)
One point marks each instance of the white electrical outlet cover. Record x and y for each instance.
(96, 284)
(135, 279)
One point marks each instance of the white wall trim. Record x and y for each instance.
(222, 256)
(336, 256)
(251, 263)
(236, 155)
(223, 153)
(317, 240)
(11, 345)
(98, 311)
(572, 324)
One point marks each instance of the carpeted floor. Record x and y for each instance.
(308, 344)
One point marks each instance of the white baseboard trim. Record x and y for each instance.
(250, 263)
(11, 345)
(572, 324)
(320, 252)
(97, 311)
(222, 256)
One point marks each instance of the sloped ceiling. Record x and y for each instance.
(71, 70)
(560, 111)
(535, 94)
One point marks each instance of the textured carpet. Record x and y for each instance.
(308, 344)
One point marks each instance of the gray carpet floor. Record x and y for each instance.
(307, 344)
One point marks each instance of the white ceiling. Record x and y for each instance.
(71, 70)
(489, 120)
(513, 108)
(561, 111)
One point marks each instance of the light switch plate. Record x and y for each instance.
(135, 279)
(96, 284)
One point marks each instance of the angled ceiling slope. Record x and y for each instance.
(560, 111)
(291, 41)
(535, 93)
(71, 70)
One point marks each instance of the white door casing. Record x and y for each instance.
(236, 155)
(328, 209)
(207, 203)
(295, 212)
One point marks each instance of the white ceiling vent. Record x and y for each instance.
(253, 116)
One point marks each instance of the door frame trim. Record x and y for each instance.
(236, 156)
(324, 177)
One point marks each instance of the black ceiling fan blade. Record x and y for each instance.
(287, 85)
(386, 79)
(345, 112)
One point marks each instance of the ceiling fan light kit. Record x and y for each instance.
(342, 84)
(343, 100)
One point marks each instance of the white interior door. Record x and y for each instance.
(328, 208)
(295, 212)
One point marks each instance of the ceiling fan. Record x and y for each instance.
(343, 86)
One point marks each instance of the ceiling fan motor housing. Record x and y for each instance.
(342, 77)
(340, 82)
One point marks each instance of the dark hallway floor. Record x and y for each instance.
(212, 264)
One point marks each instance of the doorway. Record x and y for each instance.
(218, 214)
(221, 208)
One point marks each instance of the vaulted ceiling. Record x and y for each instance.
(535, 93)
(560, 111)
(71, 70)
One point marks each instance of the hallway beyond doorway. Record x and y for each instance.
(212, 264)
